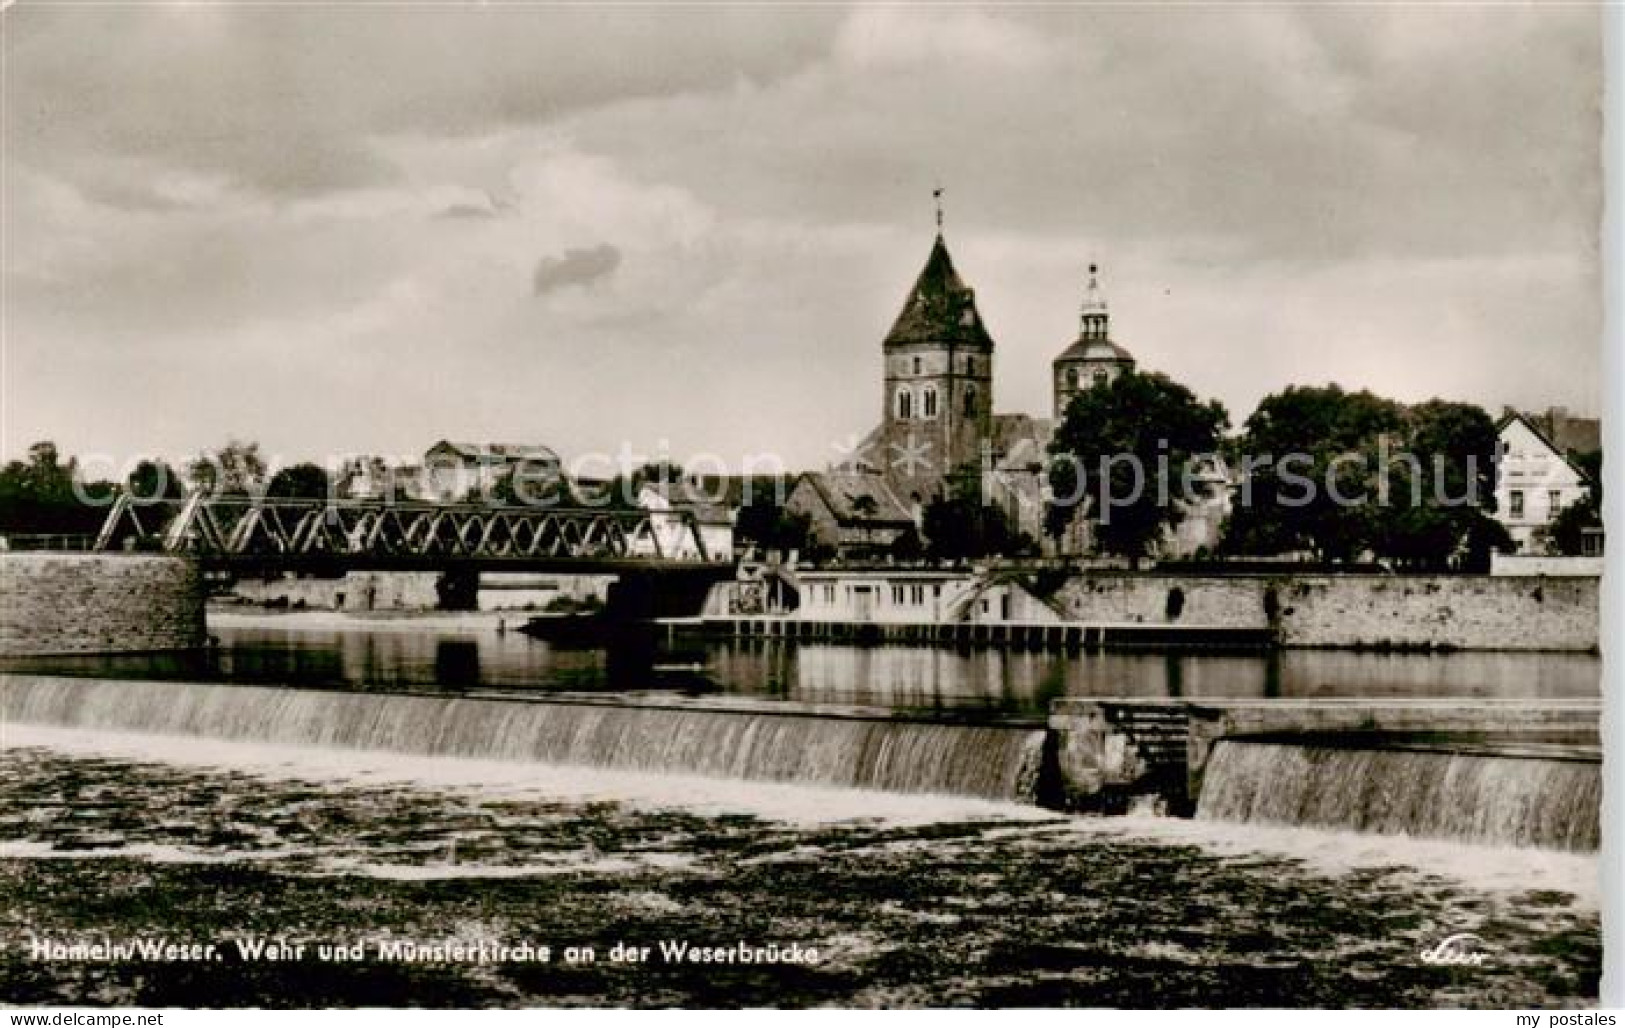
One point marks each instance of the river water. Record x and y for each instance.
(393, 654)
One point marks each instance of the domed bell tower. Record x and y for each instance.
(1093, 358)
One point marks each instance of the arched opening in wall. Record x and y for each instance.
(1272, 604)
(929, 402)
(970, 403)
(1072, 378)
(1102, 376)
(916, 365)
(1176, 603)
(905, 404)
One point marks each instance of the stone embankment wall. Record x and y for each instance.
(1471, 612)
(358, 590)
(98, 603)
(415, 590)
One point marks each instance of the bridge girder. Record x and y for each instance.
(266, 534)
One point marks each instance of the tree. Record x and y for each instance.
(236, 469)
(1305, 450)
(959, 526)
(1439, 489)
(1344, 474)
(154, 481)
(621, 493)
(771, 527)
(44, 494)
(372, 478)
(299, 482)
(1119, 458)
(1566, 532)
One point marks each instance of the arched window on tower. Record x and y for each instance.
(916, 365)
(970, 365)
(1072, 378)
(970, 402)
(928, 402)
(1102, 376)
(905, 404)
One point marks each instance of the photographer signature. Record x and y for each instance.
(1463, 949)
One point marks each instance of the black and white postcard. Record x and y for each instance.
(540, 505)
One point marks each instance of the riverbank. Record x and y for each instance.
(244, 616)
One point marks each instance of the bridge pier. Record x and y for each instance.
(458, 589)
(648, 594)
(56, 603)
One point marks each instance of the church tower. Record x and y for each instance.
(1092, 359)
(938, 389)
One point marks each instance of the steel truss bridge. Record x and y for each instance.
(264, 535)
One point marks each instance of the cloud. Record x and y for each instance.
(895, 36)
(237, 212)
(1274, 133)
(293, 101)
(574, 268)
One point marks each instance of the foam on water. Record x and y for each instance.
(1484, 868)
(795, 804)
(879, 752)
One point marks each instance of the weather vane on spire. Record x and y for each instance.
(936, 194)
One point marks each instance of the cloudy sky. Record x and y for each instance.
(346, 229)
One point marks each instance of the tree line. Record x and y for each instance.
(1423, 476)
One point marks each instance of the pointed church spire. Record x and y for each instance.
(940, 307)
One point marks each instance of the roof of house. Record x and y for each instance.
(1534, 426)
(691, 497)
(494, 453)
(940, 308)
(858, 496)
(1565, 432)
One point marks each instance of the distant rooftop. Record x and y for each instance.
(1567, 433)
(497, 453)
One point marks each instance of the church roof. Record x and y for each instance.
(1020, 441)
(1094, 349)
(940, 308)
(858, 496)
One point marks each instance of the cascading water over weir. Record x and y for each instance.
(1541, 790)
(862, 750)
(1505, 794)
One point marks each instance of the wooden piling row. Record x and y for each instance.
(1015, 635)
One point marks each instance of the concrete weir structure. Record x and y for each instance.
(1110, 751)
(1507, 772)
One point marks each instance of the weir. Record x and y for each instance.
(1518, 772)
(1547, 796)
(769, 741)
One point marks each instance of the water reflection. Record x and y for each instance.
(914, 677)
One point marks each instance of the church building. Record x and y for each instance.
(1093, 359)
(937, 425)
